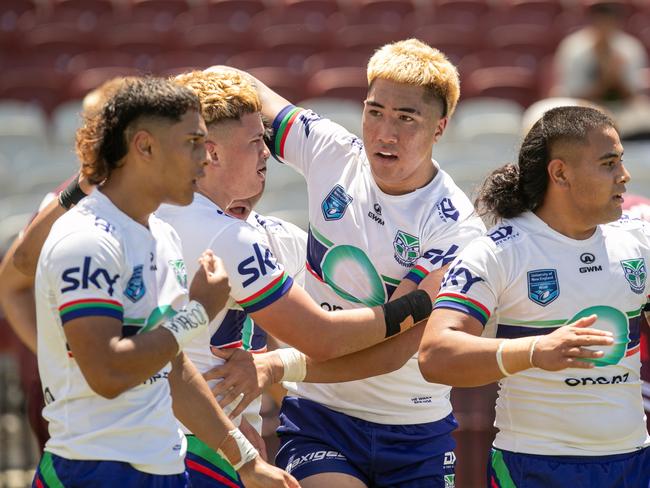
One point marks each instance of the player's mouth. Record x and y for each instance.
(386, 155)
(238, 209)
(261, 172)
(618, 198)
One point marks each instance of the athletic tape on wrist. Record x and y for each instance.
(295, 364)
(531, 350)
(502, 368)
(416, 304)
(71, 194)
(187, 323)
(246, 450)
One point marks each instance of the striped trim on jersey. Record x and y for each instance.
(500, 476)
(201, 459)
(417, 274)
(281, 126)
(460, 303)
(91, 307)
(267, 295)
(48, 477)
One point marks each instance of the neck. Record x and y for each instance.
(214, 196)
(562, 220)
(127, 194)
(417, 180)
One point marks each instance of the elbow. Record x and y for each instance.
(427, 366)
(108, 386)
(320, 354)
(23, 262)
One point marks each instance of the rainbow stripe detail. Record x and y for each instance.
(281, 127)
(268, 294)
(460, 303)
(91, 307)
(417, 274)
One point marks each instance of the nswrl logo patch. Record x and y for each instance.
(635, 274)
(335, 204)
(407, 248)
(543, 286)
(135, 288)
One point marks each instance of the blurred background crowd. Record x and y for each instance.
(512, 55)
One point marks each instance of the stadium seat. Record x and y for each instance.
(90, 79)
(294, 61)
(296, 38)
(86, 15)
(354, 57)
(215, 39)
(347, 113)
(542, 12)
(534, 40)
(101, 59)
(509, 82)
(465, 12)
(290, 87)
(160, 14)
(346, 82)
(179, 61)
(236, 14)
(47, 87)
(455, 40)
(54, 45)
(314, 15)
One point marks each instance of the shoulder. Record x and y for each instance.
(627, 226)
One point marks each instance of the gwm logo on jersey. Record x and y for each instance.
(543, 286)
(635, 273)
(589, 259)
(135, 288)
(336, 203)
(446, 210)
(178, 266)
(407, 248)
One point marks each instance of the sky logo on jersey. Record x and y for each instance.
(454, 276)
(178, 266)
(446, 210)
(307, 118)
(407, 248)
(257, 265)
(635, 273)
(135, 288)
(97, 277)
(336, 203)
(543, 286)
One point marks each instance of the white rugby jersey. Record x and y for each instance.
(526, 279)
(97, 261)
(256, 278)
(361, 243)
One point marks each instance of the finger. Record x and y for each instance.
(592, 331)
(592, 341)
(585, 321)
(578, 363)
(581, 352)
(291, 481)
(224, 354)
(223, 387)
(239, 409)
(229, 397)
(216, 373)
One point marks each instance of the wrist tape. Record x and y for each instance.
(187, 323)
(71, 194)
(295, 364)
(246, 450)
(416, 304)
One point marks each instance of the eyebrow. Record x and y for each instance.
(609, 155)
(409, 110)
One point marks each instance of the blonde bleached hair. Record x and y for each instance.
(224, 95)
(413, 62)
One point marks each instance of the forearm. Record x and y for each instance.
(195, 406)
(29, 246)
(382, 358)
(456, 358)
(18, 306)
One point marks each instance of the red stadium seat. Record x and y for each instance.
(290, 87)
(293, 62)
(216, 39)
(160, 14)
(510, 82)
(86, 15)
(174, 62)
(455, 40)
(468, 12)
(532, 11)
(236, 14)
(315, 15)
(533, 40)
(90, 79)
(53, 45)
(100, 59)
(338, 58)
(296, 38)
(346, 82)
(47, 87)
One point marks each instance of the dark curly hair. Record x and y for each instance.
(513, 189)
(102, 141)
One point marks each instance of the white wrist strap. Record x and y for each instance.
(531, 350)
(246, 450)
(295, 364)
(502, 368)
(187, 323)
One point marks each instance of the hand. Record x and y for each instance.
(210, 285)
(259, 474)
(243, 373)
(253, 437)
(564, 347)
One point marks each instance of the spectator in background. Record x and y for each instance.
(600, 62)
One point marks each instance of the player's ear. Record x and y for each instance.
(557, 172)
(142, 142)
(440, 128)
